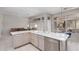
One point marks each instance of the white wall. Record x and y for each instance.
(13, 22)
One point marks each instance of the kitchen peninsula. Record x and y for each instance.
(46, 41)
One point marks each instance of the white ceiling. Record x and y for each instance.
(28, 11)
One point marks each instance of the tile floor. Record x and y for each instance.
(28, 47)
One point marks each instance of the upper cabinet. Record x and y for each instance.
(43, 22)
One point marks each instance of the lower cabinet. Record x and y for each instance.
(37, 41)
(34, 39)
(20, 39)
(41, 42)
(45, 43)
(51, 44)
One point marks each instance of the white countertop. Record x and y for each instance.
(57, 36)
(18, 32)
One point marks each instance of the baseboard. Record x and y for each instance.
(22, 45)
(27, 44)
(35, 46)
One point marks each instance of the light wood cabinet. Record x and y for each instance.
(41, 42)
(51, 44)
(20, 39)
(38, 41)
(34, 39)
(45, 43)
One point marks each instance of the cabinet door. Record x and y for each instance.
(34, 39)
(1, 17)
(20, 39)
(51, 44)
(31, 38)
(41, 42)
